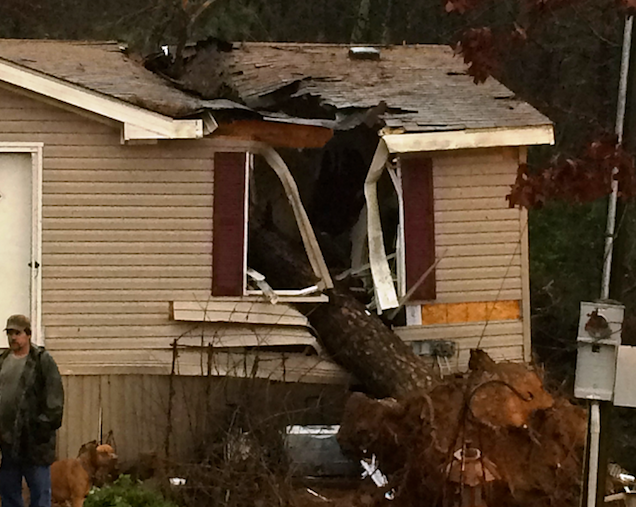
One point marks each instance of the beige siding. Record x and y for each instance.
(483, 255)
(126, 230)
(193, 361)
(501, 339)
(477, 235)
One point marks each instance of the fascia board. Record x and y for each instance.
(138, 123)
(474, 138)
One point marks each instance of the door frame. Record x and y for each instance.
(35, 149)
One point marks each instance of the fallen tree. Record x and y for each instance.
(493, 436)
(355, 338)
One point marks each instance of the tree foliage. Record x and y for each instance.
(577, 180)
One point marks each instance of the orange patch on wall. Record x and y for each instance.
(455, 313)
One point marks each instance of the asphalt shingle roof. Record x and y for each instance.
(425, 87)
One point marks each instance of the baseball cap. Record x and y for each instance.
(18, 323)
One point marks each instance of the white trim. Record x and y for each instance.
(474, 138)
(526, 314)
(308, 291)
(384, 289)
(413, 315)
(396, 178)
(138, 123)
(35, 149)
(16, 147)
(284, 296)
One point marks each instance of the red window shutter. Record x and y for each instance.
(228, 242)
(419, 224)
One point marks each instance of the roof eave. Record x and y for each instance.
(470, 138)
(138, 123)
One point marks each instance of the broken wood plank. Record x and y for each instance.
(279, 135)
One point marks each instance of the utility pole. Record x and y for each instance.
(600, 412)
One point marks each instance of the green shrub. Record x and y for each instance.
(125, 492)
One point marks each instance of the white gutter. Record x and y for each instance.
(138, 123)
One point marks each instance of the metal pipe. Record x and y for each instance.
(595, 439)
(620, 122)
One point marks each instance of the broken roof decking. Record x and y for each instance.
(426, 82)
(425, 87)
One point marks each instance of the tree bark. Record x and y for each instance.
(355, 338)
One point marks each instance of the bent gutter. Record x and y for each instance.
(384, 287)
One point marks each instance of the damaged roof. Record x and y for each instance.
(103, 67)
(419, 88)
(425, 87)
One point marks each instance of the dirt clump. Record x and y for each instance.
(491, 437)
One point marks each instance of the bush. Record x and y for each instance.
(125, 492)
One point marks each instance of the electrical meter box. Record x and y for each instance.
(598, 341)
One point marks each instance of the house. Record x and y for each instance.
(126, 199)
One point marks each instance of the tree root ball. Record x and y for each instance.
(494, 433)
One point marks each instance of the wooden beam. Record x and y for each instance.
(276, 134)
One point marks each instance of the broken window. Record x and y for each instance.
(248, 191)
(330, 182)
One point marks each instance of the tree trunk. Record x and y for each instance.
(362, 21)
(355, 338)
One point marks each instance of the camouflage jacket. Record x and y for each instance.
(40, 403)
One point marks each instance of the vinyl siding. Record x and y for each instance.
(126, 230)
(481, 242)
(502, 340)
(475, 229)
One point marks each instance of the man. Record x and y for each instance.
(31, 405)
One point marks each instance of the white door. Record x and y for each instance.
(16, 231)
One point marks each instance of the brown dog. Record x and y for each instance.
(71, 479)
